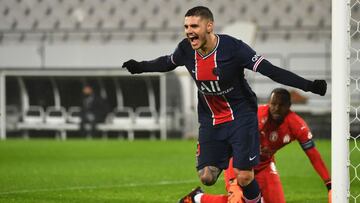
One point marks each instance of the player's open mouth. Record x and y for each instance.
(193, 39)
(276, 116)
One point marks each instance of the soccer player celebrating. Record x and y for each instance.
(227, 106)
(278, 126)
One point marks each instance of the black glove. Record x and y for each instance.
(328, 185)
(132, 66)
(318, 87)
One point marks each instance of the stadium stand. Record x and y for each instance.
(120, 120)
(55, 115)
(41, 25)
(65, 115)
(34, 115)
(12, 117)
(85, 18)
(123, 117)
(146, 118)
(73, 115)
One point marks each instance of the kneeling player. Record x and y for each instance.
(278, 126)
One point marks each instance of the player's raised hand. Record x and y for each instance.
(235, 194)
(132, 66)
(319, 87)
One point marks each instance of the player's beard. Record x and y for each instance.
(205, 43)
(201, 45)
(278, 118)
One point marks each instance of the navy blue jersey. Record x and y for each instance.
(223, 92)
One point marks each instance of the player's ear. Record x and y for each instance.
(210, 26)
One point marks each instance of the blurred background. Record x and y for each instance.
(61, 77)
(51, 49)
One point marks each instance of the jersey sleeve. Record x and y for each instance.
(165, 63)
(300, 129)
(178, 56)
(247, 57)
(319, 165)
(283, 76)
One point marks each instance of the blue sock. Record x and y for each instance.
(252, 192)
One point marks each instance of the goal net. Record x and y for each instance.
(353, 8)
(345, 100)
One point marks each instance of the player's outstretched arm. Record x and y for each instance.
(161, 64)
(319, 166)
(132, 66)
(291, 79)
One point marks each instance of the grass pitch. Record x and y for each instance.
(130, 172)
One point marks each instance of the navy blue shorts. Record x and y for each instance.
(238, 138)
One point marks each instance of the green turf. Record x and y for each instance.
(129, 172)
(354, 170)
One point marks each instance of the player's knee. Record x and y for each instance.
(208, 180)
(244, 178)
(208, 175)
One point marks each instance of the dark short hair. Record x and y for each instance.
(201, 11)
(285, 95)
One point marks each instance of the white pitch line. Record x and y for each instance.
(97, 187)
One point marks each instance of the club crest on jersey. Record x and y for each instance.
(286, 139)
(263, 120)
(310, 135)
(273, 168)
(216, 71)
(273, 136)
(255, 57)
